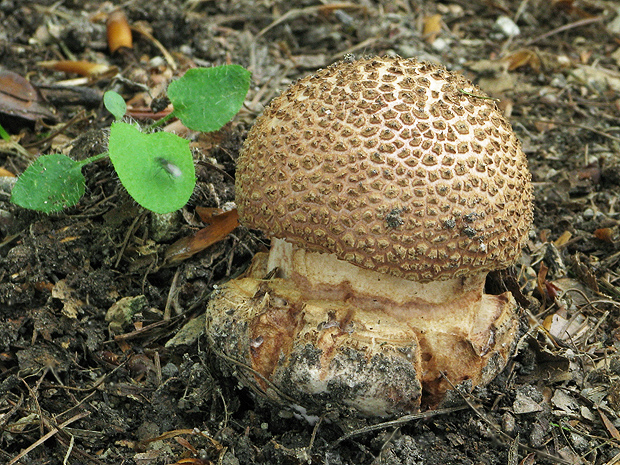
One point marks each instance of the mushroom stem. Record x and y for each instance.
(458, 328)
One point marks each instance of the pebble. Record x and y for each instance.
(537, 436)
(506, 27)
(169, 370)
(613, 27)
(440, 45)
(558, 81)
(524, 404)
(509, 423)
(588, 214)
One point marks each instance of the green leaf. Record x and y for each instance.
(156, 169)
(115, 104)
(4, 134)
(50, 184)
(205, 99)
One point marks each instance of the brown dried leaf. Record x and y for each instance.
(613, 431)
(206, 214)
(15, 85)
(541, 279)
(523, 57)
(118, 31)
(591, 172)
(529, 459)
(18, 97)
(220, 227)
(563, 239)
(432, 27)
(544, 126)
(72, 306)
(81, 67)
(185, 443)
(605, 234)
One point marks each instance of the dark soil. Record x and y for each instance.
(77, 388)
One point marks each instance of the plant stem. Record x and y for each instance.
(93, 159)
(158, 123)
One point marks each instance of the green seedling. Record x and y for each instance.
(156, 168)
(4, 135)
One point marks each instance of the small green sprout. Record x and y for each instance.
(156, 168)
(4, 135)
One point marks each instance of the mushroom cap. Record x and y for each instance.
(392, 164)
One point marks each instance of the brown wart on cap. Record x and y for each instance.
(390, 188)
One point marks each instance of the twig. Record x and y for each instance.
(49, 434)
(302, 454)
(164, 51)
(304, 12)
(576, 125)
(69, 449)
(398, 422)
(172, 294)
(565, 27)
(130, 231)
(80, 116)
(7, 416)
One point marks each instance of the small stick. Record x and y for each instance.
(398, 422)
(565, 27)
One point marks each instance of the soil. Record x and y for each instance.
(79, 388)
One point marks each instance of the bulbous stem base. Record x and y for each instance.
(324, 333)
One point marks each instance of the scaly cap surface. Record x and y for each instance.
(392, 164)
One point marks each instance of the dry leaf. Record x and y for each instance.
(220, 227)
(544, 126)
(185, 443)
(71, 306)
(563, 329)
(18, 97)
(206, 214)
(118, 31)
(81, 67)
(591, 172)
(613, 431)
(563, 239)
(605, 234)
(432, 28)
(523, 57)
(529, 459)
(541, 278)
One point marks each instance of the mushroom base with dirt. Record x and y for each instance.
(308, 330)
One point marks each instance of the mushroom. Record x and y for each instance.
(389, 189)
